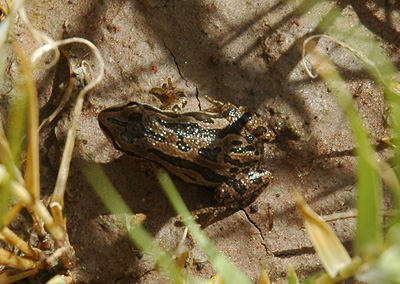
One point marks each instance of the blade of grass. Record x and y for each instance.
(6, 157)
(5, 190)
(12, 276)
(16, 122)
(57, 201)
(226, 269)
(138, 235)
(291, 276)
(330, 250)
(348, 33)
(12, 238)
(11, 260)
(369, 234)
(32, 173)
(264, 279)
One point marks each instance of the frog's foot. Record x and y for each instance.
(217, 106)
(210, 212)
(173, 98)
(220, 107)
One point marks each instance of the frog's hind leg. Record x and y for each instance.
(241, 189)
(238, 191)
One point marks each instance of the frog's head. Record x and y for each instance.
(260, 127)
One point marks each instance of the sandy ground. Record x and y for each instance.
(244, 52)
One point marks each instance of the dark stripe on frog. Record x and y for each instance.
(206, 173)
(133, 129)
(210, 154)
(235, 127)
(233, 170)
(199, 116)
(119, 108)
(229, 160)
(194, 129)
(109, 135)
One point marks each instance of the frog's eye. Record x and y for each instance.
(260, 130)
(264, 133)
(279, 127)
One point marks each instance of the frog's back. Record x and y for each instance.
(200, 147)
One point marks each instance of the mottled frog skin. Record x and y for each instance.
(219, 148)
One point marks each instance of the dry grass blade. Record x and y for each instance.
(12, 238)
(331, 252)
(264, 279)
(57, 202)
(11, 213)
(12, 276)
(65, 98)
(9, 259)
(39, 209)
(32, 173)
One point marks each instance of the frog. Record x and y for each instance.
(221, 147)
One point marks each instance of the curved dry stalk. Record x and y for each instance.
(358, 54)
(387, 174)
(43, 39)
(65, 98)
(57, 201)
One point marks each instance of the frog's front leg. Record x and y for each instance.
(242, 188)
(173, 98)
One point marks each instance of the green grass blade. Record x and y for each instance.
(291, 276)
(228, 271)
(385, 269)
(138, 235)
(369, 234)
(5, 190)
